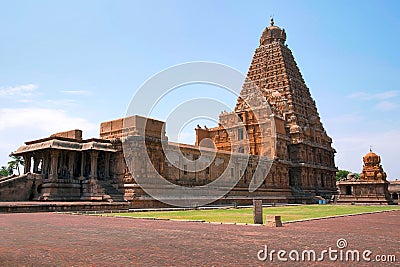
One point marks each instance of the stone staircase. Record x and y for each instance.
(302, 196)
(7, 178)
(111, 190)
(14, 188)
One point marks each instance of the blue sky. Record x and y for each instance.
(74, 64)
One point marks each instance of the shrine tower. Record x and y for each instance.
(303, 155)
(370, 188)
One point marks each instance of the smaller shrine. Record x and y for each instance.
(370, 188)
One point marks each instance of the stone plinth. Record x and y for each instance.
(364, 192)
(257, 212)
(92, 191)
(60, 190)
(273, 221)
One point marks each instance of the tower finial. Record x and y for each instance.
(272, 21)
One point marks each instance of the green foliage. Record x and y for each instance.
(15, 163)
(5, 171)
(341, 174)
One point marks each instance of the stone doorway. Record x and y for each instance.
(349, 190)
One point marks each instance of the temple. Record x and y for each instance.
(371, 188)
(66, 167)
(304, 158)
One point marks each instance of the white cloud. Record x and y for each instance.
(76, 92)
(19, 125)
(60, 102)
(386, 105)
(24, 100)
(47, 120)
(345, 119)
(19, 90)
(379, 96)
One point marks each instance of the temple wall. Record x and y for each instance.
(73, 134)
(134, 125)
(179, 174)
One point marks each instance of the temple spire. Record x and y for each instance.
(272, 34)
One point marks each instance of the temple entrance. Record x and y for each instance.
(349, 190)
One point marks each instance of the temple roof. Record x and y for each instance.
(65, 144)
(272, 33)
(371, 158)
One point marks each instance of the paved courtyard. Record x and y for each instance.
(51, 239)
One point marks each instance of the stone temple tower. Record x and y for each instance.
(303, 155)
(371, 188)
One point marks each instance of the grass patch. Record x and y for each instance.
(245, 215)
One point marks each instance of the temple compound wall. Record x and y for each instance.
(95, 169)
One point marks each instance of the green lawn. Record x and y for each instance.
(245, 215)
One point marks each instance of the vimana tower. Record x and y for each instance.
(303, 154)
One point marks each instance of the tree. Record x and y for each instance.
(341, 174)
(15, 163)
(5, 171)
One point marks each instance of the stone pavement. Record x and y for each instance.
(51, 239)
(44, 206)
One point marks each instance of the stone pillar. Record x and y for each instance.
(27, 163)
(111, 168)
(107, 166)
(36, 161)
(54, 154)
(83, 163)
(71, 164)
(93, 164)
(45, 163)
(62, 163)
(257, 212)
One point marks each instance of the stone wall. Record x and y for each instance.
(134, 125)
(73, 134)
